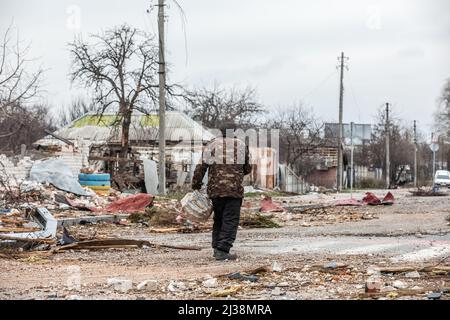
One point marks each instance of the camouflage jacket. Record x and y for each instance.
(227, 161)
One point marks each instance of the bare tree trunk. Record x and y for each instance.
(126, 133)
(126, 121)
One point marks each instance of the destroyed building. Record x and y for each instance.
(94, 141)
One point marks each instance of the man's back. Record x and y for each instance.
(228, 162)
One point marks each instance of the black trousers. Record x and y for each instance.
(227, 212)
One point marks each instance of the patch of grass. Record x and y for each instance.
(257, 221)
(155, 216)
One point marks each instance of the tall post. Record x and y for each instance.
(415, 155)
(434, 159)
(340, 129)
(162, 101)
(351, 160)
(388, 162)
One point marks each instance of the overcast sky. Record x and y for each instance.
(399, 49)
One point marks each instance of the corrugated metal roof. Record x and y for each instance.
(179, 126)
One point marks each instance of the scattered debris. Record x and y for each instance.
(231, 291)
(120, 284)
(373, 200)
(56, 172)
(267, 205)
(277, 291)
(334, 265)
(132, 203)
(210, 283)
(399, 284)
(66, 237)
(412, 274)
(434, 295)
(255, 220)
(175, 286)
(276, 267)
(420, 192)
(243, 277)
(348, 202)
(118, 243)
(148, 285)
(373, 284)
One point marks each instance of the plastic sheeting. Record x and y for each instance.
(134, 203)
(150, 176)
(196, 206)
(56, 172)
(373, 200)
(267, 205)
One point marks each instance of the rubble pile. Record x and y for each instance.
(331, 215)
(287, 280)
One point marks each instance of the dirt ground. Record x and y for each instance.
(320, 253)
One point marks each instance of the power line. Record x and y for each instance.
(321, 83)
(354, 97)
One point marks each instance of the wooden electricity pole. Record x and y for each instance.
(415, 155)
(388, 162)
(340, 129)
(162, 101)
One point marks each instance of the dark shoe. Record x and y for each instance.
(222, 255)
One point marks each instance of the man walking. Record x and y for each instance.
(227, 162)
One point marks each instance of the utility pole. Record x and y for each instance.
(387, 133)
(351, 160)
(162, 101)
(341, 59)
(434, 158)
(415, 155)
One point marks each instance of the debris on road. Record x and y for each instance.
(243, 277)
(256, 220)
(131, 203)
(231, 291)
(118, 243)
(148, 285)
(267, 205)
(121, 285)
(372, 200)
(420, 192)
(276, 267)
(210, 283)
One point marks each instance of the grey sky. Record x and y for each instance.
(399, 50)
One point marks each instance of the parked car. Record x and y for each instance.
(442, 178)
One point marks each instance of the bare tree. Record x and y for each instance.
(401, 147)
(33, 121)
(121, 66)
(77, 108)
(300, 134)
(18, 85)
(224, 108)
(442, 115)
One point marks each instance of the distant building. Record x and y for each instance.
(361, 132)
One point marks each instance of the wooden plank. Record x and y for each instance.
(8, 230)
(117, 243)
(29, 240)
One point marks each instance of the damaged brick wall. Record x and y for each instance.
(19, 169)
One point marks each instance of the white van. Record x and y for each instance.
(442, 178)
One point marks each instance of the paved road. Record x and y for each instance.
(407, 249)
